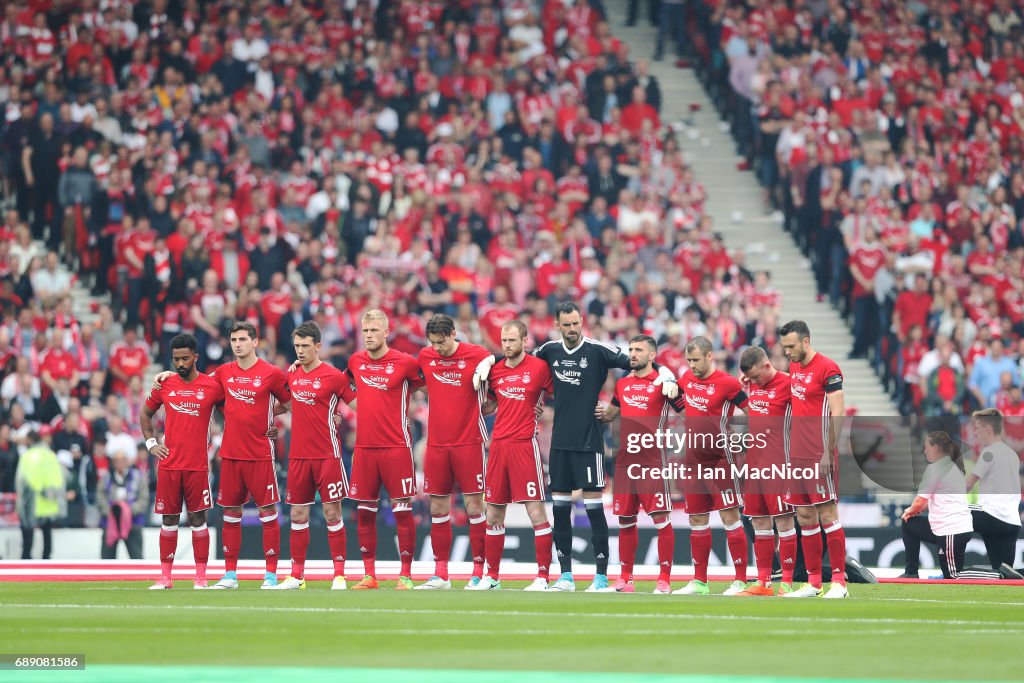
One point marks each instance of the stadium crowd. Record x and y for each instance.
(888, 137)
(203, 162)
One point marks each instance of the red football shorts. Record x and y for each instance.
(758, 504)
(636, 487)
(174, 486)
(306, 477)
(515, 473)
(766, 495)
(709, 486)
(815, 488)
(392, 468)
(240, 479)
(444, 466)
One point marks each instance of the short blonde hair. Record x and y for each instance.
(990, 416)
(377, 314)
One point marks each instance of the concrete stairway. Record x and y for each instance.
(711, 152)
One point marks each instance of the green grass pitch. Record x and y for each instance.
(883, 632)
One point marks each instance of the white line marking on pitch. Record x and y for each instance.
(515, 613)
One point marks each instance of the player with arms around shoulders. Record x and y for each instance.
(643, 410)
(183, 473)
(314, 461)
(711, 398)
(247, 453)
(384, 379)
(816, 384)
(515, 473)
(764, 499)
(579, 366)
(455, 444)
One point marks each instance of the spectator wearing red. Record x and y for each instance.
(128, 358)
(637, 111)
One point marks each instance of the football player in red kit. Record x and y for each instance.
(384, 379)
(517, 385)
(644, 410)
(711, 397)
(816, 384)
(455, 445)
(183, 473)
(314, 461)
(764, 497)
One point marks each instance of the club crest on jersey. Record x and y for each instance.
(462, 365)
(651, 388)
(257, 382)
(316, 384)
(711, 391)
(583, 362)
(807, 379)
(526, 378)
(390, 369)
(771, 394)
(200, 394)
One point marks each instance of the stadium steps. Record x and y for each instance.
(734, 200)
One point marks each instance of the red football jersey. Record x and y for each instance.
(383, 386)
(248, 408)
(315, 397)
(810, 385)
(187, 410)
(517, 391)
(643, 408)
(770, 410)
(454, 418)
(710, 403)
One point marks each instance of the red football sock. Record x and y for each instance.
(736, 537)
(666, 548)
(299, 544)
(764, 552)
(366, 530)
(441, 542)
(700, 548)
(168, 545)
(406, 536)
(201, 550)
(336, 542)
(477, 536)
(542, 546)
(628, 541)
(837, 552)
(810, 541)
(494, 546)
(787, 554)
(232, 533)
(271, 541)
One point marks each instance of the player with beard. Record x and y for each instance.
(644, 410)
(816, 383)
(711, 397)
(515, 474)
(183, 473)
